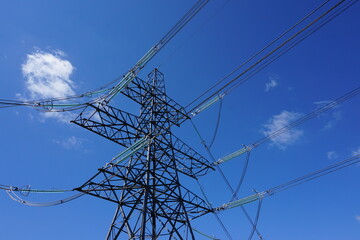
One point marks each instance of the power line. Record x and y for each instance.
(242, 176)
(256, 219)
(259, 52)
(16, 198)
(316, 174)
(193, 33)
(217, 125)
(302, 37)
(309, 116)
(106, 92)
(290, 126)
(132, 73)
(234, 194)
(218, 94)
(135, 148)
(293, 183)
(215, 213)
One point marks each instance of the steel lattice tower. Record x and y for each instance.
(144, 179)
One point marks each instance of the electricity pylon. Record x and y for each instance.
(144, 180)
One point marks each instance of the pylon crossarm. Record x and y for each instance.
(124, 128)
(143, 180)
(114, 124)
(108, 182)
(189, 161)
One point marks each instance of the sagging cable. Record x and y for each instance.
(16, 198)
(217, 125)
(242, 177)
(256, 220)
(26, 190)
(214, 212)
(224, 178)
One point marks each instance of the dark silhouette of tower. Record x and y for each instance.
(144, 180)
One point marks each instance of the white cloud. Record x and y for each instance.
(64, 117)
(322, 103)
(70, 143)
(271, 83)
(280, 121)
(355, 152)
(357, 217)
(48, 75)
(332, 155)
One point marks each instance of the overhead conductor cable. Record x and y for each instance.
(16, 198)
(234, 194)
(294, 124)
(259, 52)
(295, 182)
(155, 49)
(109, 92)
(213, 97)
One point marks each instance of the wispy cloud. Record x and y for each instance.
(335, 117)
(47, 75)
(70, 143)
(357, 217)
(332, 155)
(322, 103)
(279, 121)
(355, 152)
(63, 117)
(273, 82)
(331, 118)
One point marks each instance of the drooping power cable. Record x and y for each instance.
(217, 124)
(225, 179)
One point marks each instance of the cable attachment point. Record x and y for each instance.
(248, 148)
(206, 104)
(46, 106)
(25, 190)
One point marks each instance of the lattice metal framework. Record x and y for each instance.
(151, 202)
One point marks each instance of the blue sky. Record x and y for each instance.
(89, 43)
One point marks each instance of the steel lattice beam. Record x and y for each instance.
(144, 183)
